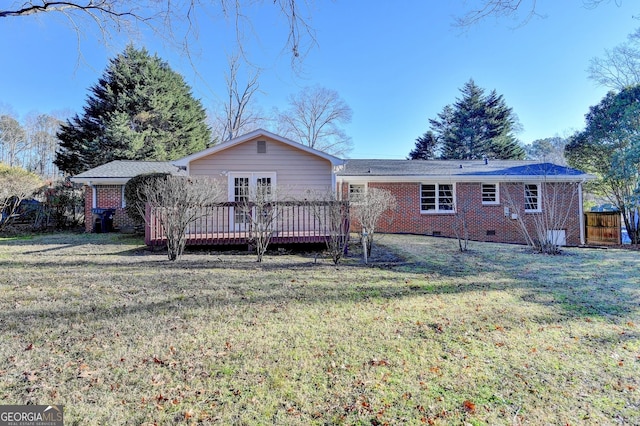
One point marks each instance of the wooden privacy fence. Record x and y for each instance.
(603, 228)
(234, 223)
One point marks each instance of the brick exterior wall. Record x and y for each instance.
(107, 197)
(484, 222)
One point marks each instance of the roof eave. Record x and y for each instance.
(100, 180)
(184, 162)
(465, 178)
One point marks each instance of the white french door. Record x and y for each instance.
(244, 188)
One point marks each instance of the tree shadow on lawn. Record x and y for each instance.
(557, 282)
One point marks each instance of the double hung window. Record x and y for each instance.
(437, 197)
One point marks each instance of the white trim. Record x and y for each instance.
(94, 196)
(363, 185)
(185, 161)
(123, 201)
(253, 178)
(101, 181)
(538, 185)
(490, 203)
(583, 239)
(461, 179)
(437, 198)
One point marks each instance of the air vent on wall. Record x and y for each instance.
(262, 147)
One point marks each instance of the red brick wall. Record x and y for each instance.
(107, 197)
(484, 222)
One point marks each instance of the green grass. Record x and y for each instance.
(427, 335)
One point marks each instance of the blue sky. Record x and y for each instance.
(396, 64)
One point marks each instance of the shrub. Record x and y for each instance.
(135, 198)
(16, 184)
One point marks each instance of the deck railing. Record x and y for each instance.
(233, 223)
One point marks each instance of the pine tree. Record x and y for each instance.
(476, 126)
(140, 109)
(425, 147)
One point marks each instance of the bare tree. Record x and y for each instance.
(523, 10)
(16, 184)
(333, 217)
(175, 202)
(238, 114)
(550, 206)
(367, 209)
(620, 66)
(549, 150)
(175, 21)
(41, 132)
(13, 140)
(259, 212)
(315, 117)
(461, 224)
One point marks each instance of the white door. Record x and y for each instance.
(244, 189)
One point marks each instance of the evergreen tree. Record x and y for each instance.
(477, 125)
(140, 109)
(425, 147)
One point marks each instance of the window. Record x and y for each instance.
(240, 196)
(531, 197)
(262, 147)
(243, 186)
(124, 199)
(490, 193)
(356, 189)
(436, 197)
(263, 188)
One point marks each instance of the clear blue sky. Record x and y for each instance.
(396, 64)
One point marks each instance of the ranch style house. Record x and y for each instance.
(495, 199)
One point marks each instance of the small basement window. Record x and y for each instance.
(262, 147)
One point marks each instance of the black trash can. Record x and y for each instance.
(103, 220)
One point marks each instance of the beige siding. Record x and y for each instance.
(296, 170)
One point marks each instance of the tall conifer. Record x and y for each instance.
(140, 109)
(476, 126)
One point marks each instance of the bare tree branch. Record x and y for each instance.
(511, 8)
(237, 116)
(314, 118)
(620, 66)
(165, 17)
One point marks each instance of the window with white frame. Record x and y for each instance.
(436, 197)
(242, 186)
(356, 189)
(490, 193)
(124, 198)
(531, 197)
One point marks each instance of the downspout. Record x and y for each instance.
(581, 210)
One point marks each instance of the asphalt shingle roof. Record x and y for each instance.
(434, 168)
(129, 169)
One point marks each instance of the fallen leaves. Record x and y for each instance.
(378, 363)
(469, 406)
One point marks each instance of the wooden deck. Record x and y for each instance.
(236, 238)
(302, 222)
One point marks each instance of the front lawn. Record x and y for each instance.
(119, 335)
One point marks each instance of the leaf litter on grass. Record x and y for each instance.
(428, 335)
